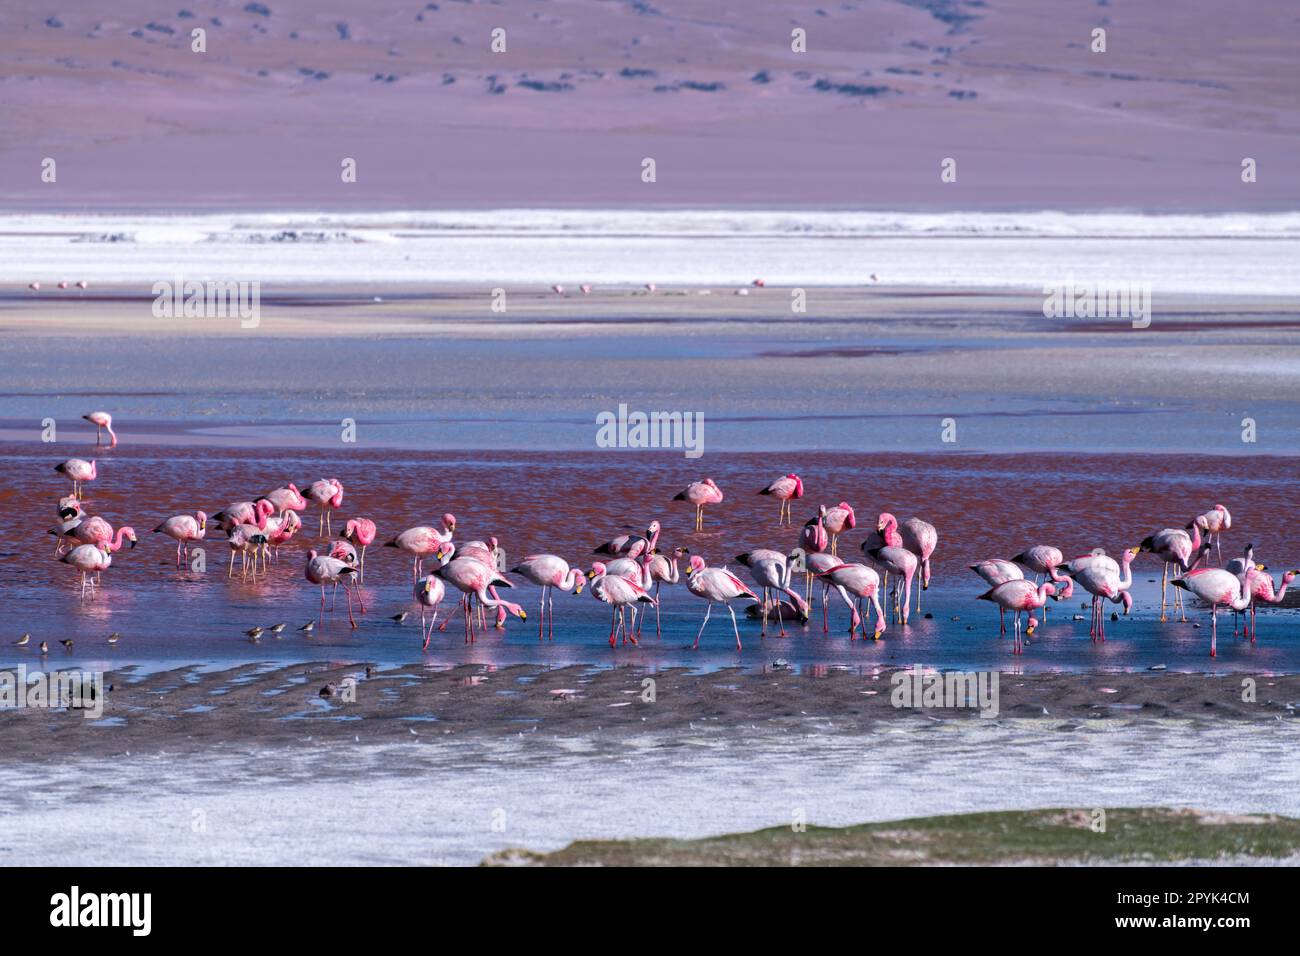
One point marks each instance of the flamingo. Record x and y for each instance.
(423, 540)
(864, 584)
(98, 531)
(78, 470)
(1214, 522)
(771, 571)
(815, 564)
(288, 498)
(619, 593)
(1040, 559)
(1175, 546)
(896, 560)
(279, 529)
(920, 538)
(184, 529)
(1215, 586)
(244, 512)
(549, 571)
(700, 493)
(90, 560)
(360, 531)
(995, 571)
(472, 577)
(886, 535)
(429, 593)
(1017, 596)
(1262, 590)
(717, 586)
(1105, 585)
(785, 489)
(69, 508)
(63, 533)
(631, 545)
(323, 570)
(328, 493)
(343, 551)
(664, 570)
(245, 539)
(813, 539)
(102, 421)
(837, 520)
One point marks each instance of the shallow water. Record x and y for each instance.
(983, 506)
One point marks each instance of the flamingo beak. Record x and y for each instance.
(591, 575)
(523, 615)
(578, 588)
(1135, 551)
(1261, 567)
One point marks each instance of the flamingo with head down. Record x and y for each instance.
(1214, 522)
(1263, 590)
(288, 498)
(323, 570)
(549, 572)
(1217, 587)
(920, 538)
(78, 471)
(423, 540)
(360, 531)
(429, 594)
(90, 560)
(619, 593)
(837, 520)
(864, 584)
(1020, 596)
(1181, 548)
(1107, 585)
(102, 421)
(771, 571)
(472, 577)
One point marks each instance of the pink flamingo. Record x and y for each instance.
(184, 529)
(279, 529)
(887, 528)
(549, 572)
(1214, 522)
(864, 584)
(34, 286)
(328, 493)
(245, 539)
(69, 508)
(1017, 596)
(90, 560)
(472, 578)
(1262, 590)
(102, 421)
(360, 531)
(429, 593)
(78, 471)
(631, 545)
(1216, 587)
(323, 570)
(995, 571)
(422, 541)
(63, 533)
(1105, 585)
(817, 563)
(619, 593)
(837, 520)
(896, 560)
(1040, 559)
(700, 493)
(244, 512)
(98, 531)
(664, 570)
(288, 498)
(785, 489)
(920, 538)
(771, 571)
(813, 539)
(717, 586)
(1175, 546)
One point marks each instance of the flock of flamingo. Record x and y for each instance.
(632, 567)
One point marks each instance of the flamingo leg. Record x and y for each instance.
(880, 617)
(1214, 630)
(1164, 585)
(735, 627)
(707, 611)
(551, 603)
(658, 630)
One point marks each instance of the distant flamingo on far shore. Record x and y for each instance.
(102, 421)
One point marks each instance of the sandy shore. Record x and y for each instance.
(258, 706)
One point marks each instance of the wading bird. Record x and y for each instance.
(361, 532)
(1107, 585)
(323, 570)
(429, 593)
(184, 529)
(1181, 548)
(78, 471)
(863, 583)
(620, 594)
(423, 540)
(328, 493)
(1214, 522)
(771, 571)
(717, 586)
(549, 572)
(1216, 587)
(102, 421)
(700, 493)
(785, 489)
(1020, 596)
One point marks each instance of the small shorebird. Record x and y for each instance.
(399, 618)
(67, 643)
(255, 632)
(45, 648)
(309, 626)
(277, 628)
(22, 641)
(114, 637)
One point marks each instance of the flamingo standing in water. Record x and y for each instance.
(837, 520)
(1216, 587)
(785, 489)
(90, 560)
(771, 571)
(423, 540)
(620, 593)
(920, 538)
(864, 584)
(323, 570)
(245, 539)
(717, 586)
(328, 493)
(1106, 585)
(98, 531)
(70, 507)
(244, 512)
(1263, 590)
(288, 498)
(1041, 559)
(995, 571)
(664, 570)
(429, 593)
(1175, 546)
(1214, 522)
(631, 545)
(896, 560)
(815, 564)
(78, 471)
(549, 571)
(184, 529)
(360, 531)
(102, 421)
(1017, 596)
(279, 529)
(472, 577)
(700, 493)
